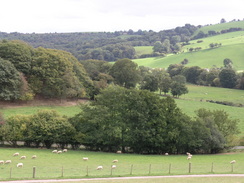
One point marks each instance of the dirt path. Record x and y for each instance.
(123, 178)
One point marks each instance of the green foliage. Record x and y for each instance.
(227, 78)
(10, 81)
(125, 73)
(178, 89)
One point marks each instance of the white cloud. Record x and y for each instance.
(111, 15)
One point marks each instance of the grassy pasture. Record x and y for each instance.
(140, 50)
(219, 27)
(70, 164)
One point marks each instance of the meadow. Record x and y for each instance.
(71, 165)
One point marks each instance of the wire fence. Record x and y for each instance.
(120, 170)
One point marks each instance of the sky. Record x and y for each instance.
(49, 16)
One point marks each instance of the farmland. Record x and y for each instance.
(71, 165)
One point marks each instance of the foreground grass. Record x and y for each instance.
(71, 165)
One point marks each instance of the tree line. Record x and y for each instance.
(130, 120)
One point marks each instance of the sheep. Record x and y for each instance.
(188, 153)
(20, 165)
(233, 161)
(166, 154)
(65, 150)
(99, 167)
(188, 158)
(59, 152)
(23, 157)
(16, 154)
(8, 161)
(113, 166)
(54, 151)
(115, 161)
(85, 158)
(118, 152)
(34, 157)
(1, 162)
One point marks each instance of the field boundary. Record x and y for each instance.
(125, 178)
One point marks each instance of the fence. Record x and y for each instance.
(120, 170)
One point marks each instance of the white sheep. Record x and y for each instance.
(16, 154)
(99, 167)
(113, 166)
(65, 150)
(118, 152)
(34, 157)
(23, 157)
(1, 162)
(188, 158)
(233, 161)
(85, 158)
(59, 152)
(115, 161)
(166, 154)
(188, 153)
(8, 161)
(20, 165)
(54, 151)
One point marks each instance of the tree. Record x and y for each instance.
(10, 81)
(158, 47)
(228, 63)
(150, 82)
(222, 21)
(227, 78)
(125, 73)
(178, 89)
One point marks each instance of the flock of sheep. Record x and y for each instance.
(19, 165)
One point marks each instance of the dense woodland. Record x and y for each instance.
(75, 65)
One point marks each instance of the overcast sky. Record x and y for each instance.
(45, 16)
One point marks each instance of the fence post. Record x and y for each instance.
(212, 168)
(169, 168)
(111, 170)
(10, 174)
(131, 168)
(34, 172)
(189, 167)
(86, 170)
(62, 171)
(232, 167)
(149, 169)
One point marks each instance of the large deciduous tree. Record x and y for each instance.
(227, 78)
(125, 72)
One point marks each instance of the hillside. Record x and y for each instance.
(232, 47)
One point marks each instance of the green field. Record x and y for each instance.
(140, 50)
(71, 165)
(232, 47)
(219, 27)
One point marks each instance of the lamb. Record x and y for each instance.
(166, 154)
(189, 157)
(16, 154)
(85, 158)
(54, 151)
(8, 161)
(34, 157)
(233, 161)
(23, 157)
(65, 150)
(115, 161)
(1, 162)
(20, 165)
(113, 166)
(99, 167)
(118, 152)
(59, 152)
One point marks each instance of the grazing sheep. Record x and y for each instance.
(99, 167)
(1, 162)
(233, 161)
(8, 161)
(54, 151)
(113, 166)
(85, 158)
(59, 152)
(16, 154)
(65, 150)
(23, 157)
(188, 153)
(115, 161)
(20, 165)
(118, 152)
(188, 158)
(166, 154)
(34, 157)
